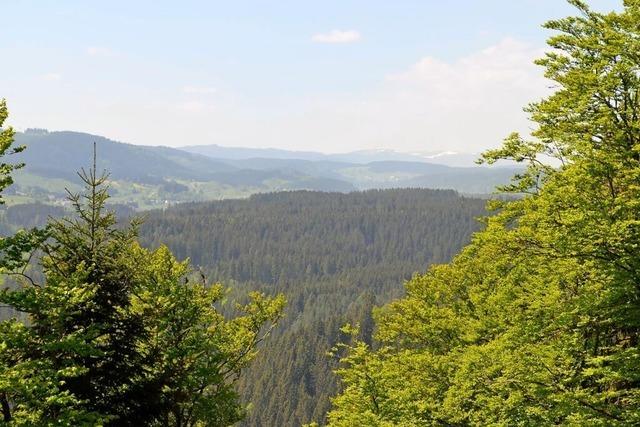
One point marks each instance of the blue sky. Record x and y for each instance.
(313, 75)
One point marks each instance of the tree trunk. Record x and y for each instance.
(6, 408)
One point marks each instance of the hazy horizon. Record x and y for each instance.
(332, 78)
(248, 147)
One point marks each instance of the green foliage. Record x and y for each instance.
(6, 148)
(117, 334)
(193, 355)
(334, 256)
(39, 381)
(537, 321)
(14, 250)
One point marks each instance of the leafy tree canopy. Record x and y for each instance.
(537, 321)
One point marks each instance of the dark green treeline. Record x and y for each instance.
(333, 255)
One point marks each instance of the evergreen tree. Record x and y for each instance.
(118, 335)
(90, 255)
(29, 387)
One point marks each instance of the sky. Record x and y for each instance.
(326, 75)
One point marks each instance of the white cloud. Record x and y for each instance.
(100, 51)
(466, 104)
(199, 90)
(494, 77)
(51, 77)
(337, 36)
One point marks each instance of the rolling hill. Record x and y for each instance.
(144, 177)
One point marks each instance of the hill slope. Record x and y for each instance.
(145, 176)
(73, 150)
(333, 255)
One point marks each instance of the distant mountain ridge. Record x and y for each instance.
(448, 158)
(152, 176)
(64, 152)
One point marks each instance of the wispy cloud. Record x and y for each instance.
(100, 51)
(436, 104)
(199, 90)
(51, 77)
(474, 100)
(337, 36)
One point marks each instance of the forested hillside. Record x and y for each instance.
(334, 256)
(536, 322)
(146, 177)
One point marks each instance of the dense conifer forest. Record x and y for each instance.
(334, 256)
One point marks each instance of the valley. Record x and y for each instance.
(147, 177)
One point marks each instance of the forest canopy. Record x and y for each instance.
(536, 322)
(334, 256)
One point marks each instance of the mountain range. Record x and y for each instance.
(151, 176)
(447, 158)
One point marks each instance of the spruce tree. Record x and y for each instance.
(121, 335)
(90, 252)
(33, 363)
